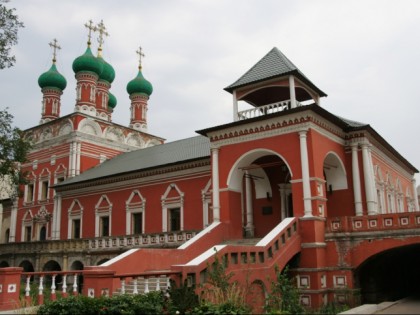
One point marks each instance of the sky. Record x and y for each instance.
(364, 54)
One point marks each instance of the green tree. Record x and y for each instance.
(9, 26)
(13, 151)
(284, 296)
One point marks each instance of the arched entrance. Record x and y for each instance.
(52, 265)
(4, 264)
(390, 275)
(27, 266)
(335, 186)
(263, 179)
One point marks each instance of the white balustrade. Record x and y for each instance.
(265, 110)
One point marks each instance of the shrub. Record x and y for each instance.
(182, 299)
(284, 296)
(151, 303)
(220, 294)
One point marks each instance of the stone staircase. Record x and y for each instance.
(242, 241)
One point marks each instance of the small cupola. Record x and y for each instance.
(273, 84)
(139, 85)
(139, 90)
(52, 84)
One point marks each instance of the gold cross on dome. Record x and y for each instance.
(140, 53)
(55, 46)
(102, 32)
(91, 28)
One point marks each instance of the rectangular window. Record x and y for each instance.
(76, 229)
(175, 219)
(44, 190)
(29, 192)
(137, 223)
(104, 228)
(28, 233)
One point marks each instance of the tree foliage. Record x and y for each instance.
(284, 295)
(9, 26)
(13, 151)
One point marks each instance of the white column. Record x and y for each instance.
(249, 228)
(13, 221)
(57, 217)
(307, 200)
(292, 91)
(235, 107)
(78, 146)
(356, 180)
(72, 159)
(369, 184)
(215, 183)
(415, 196)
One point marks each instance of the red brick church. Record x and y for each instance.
(286, 182)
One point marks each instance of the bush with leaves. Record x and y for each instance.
(220, 295)
(150, 303)
(182, 299)
(284, 295)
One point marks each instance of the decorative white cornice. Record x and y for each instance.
(141, 178)
(277, 126)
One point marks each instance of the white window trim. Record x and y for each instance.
(134, 207)
(103, 211)
(74, 214)
(171, 203)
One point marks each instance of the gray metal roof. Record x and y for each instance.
(160, 155)
(273, 64)
(352, 123)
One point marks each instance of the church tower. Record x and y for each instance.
(52, 84)
(87, 69)
(105, 80)
(139, 90)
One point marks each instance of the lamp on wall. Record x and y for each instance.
(268, 195)
(330, 189)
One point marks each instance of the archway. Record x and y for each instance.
(336, 186)
(256, 297)
(262, 177)
(390, 275)
(4, 264)
(52, 265)
(27, 266)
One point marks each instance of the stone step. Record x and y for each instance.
(242, 241)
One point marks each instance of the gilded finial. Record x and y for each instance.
(55, 46)
(91, 28)
(141, 54)
(102, 32)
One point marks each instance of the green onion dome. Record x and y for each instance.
(52, 78)
(87, 62)
(139, 85)
(108, 72)
(112, 100)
